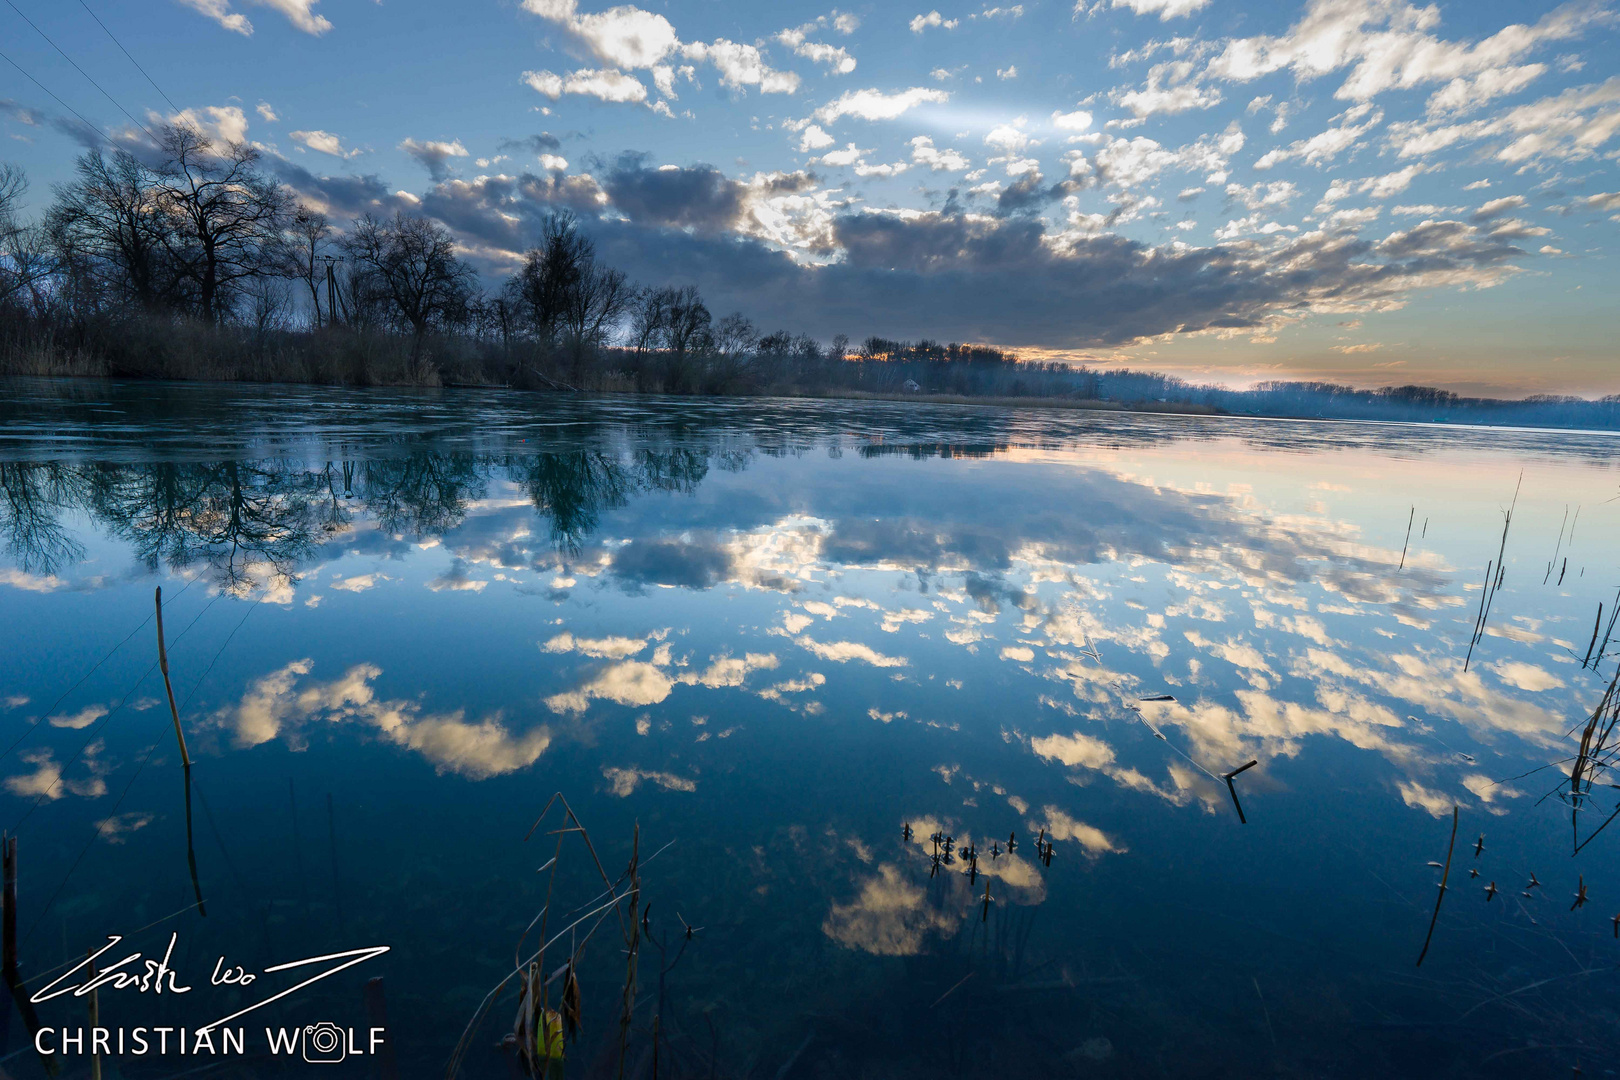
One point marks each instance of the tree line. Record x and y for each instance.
(193, 262)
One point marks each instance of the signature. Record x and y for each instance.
(145, 975)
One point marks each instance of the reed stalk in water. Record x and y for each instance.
(8, 949)
(1444, 875)
(163, 665)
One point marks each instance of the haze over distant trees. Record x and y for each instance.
(191, 262)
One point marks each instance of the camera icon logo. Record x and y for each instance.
(324, 1044)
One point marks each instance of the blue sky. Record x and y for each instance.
(1367, 191)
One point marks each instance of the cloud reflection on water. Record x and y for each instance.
(1072, 577)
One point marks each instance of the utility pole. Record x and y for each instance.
(331, 293)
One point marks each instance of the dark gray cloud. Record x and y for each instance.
(1012, 278)
(345, 196)
(696, 196)
(543, 143)
(434, 156)
(690, 564)
(1027, 193)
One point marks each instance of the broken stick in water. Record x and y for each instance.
(1229, 787)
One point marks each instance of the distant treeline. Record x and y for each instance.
(192, 263)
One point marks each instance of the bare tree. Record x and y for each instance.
(24, 261)
(307, 239)
(408, 270)
(227, 217)
(269, 304)
(109, 232)
(594, 306)
(13, 186)
(735, 336)
(649, 314)
(687, 329)
(544, 288)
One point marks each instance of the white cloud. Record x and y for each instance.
(882, 171)
(220, 12)
(434, 156)
(627, 38)
(1328, 144)
(1258, 196)
(1171, 88)
(221, 123)
(839, 159)
(1010, 138)
(610, 648)
(604, 85)
(266, 112)
(1078, 120)
(623, 782)
(323, 142)
(933, 18)
(874, 104)
(622, 37)
(47, 782)
(1008, 72)
(842, 651)
(632, 682)
(1387, 45)
(1571, 125)
(1526, 676)
(924, 153)
(742, 65)
(276, 706)
(300, 13)
(814, 138)
(835, 57)
(1092, 840)
(1164, 9)
(1129, 163)
(1382, 187)
(1161, 100)
(81, 719)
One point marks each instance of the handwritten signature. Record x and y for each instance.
(144, 975)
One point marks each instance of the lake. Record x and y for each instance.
(835, 673)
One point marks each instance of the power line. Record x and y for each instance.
(48, 713)
(81, 71)
(94, 130)
(132, 60)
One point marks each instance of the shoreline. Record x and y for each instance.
(1016, 403)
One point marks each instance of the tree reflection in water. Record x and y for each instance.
(256, 523)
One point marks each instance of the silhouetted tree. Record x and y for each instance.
(551, 273)
(308, 237)
(407, 270)
(226, 218)
(111, 235)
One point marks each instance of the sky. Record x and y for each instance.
(1364, 191)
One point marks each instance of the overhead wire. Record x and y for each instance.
(102, 723)
(48, 713)
(131, 59)
(93, 128)
(81, 71)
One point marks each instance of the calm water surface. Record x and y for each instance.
(770, 634)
